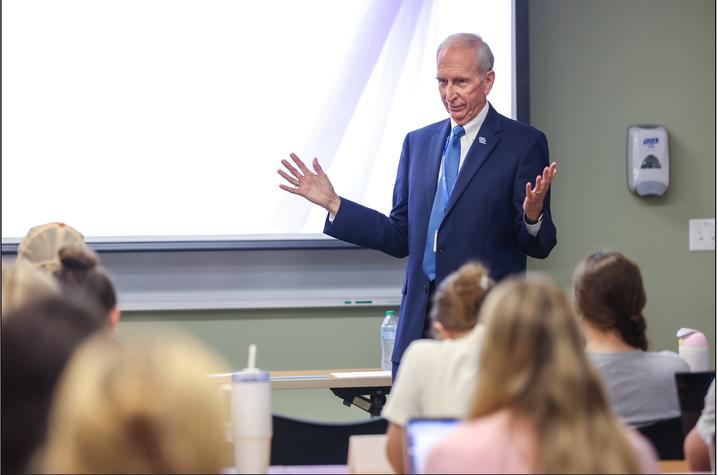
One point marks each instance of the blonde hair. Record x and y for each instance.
(459, 297)
(22, 283)
(533, 364)
(148, 407)
(42, 244)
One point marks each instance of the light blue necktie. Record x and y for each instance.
(443, 191)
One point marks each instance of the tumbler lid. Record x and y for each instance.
(250, 376)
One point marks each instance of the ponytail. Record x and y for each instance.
(633, 331)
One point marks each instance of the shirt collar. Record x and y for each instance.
(473, 126)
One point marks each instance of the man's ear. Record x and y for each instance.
(489, 82)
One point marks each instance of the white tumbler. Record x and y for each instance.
(251, 418)
(693, 348)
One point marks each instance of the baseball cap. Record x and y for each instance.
(42, 244)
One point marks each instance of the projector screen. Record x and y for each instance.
(166, 120)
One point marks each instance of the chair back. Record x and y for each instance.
(303, 442)
(692, 389)
(667, 437)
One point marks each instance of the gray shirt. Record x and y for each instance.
(640, 384)
(707, 422)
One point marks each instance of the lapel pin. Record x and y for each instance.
(482, 140)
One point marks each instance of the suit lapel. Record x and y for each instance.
(487, 138)
(436, 149)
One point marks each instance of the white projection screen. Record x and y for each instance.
(166, 120)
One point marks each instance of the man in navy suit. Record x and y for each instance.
(486, 210)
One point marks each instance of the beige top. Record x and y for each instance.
(436, 378)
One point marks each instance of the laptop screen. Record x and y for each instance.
(422, 435)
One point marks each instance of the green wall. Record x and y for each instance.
(596, 68)
(286, 340)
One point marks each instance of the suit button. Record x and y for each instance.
(425, 288)
(441, 251)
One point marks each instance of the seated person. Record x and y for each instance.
(539, 406)
(437, 377)
(37, 341)
(609, 299)
(43, 243)
(702, 438)
(145, 407)
(79, 269)
(23, 283)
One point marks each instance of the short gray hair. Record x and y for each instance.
(484, 56)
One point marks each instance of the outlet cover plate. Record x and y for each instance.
(702, 234)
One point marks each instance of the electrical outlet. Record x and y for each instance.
(702, 234)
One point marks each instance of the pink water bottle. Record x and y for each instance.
(693, 348)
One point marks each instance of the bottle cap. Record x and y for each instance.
(389, 312)
(691, 337)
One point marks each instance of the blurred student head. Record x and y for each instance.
(42, 243)
(457, 301)
(79, 268)
(37, 341)
(533, 364)
(609, 296)
(22, 283)
(147, 407)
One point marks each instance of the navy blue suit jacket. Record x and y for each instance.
(483, 220)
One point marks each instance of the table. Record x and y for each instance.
(675, 466)
(365, 388)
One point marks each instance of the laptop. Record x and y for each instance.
(421, 436)
(692, 389)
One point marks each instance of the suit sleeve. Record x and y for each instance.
(533, 160)
(366, 227)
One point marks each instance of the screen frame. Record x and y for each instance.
(451, 422)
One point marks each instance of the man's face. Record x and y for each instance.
(462, 87)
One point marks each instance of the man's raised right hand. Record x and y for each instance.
(315, 187)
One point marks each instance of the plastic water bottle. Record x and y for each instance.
(693, 348)
(387, 334)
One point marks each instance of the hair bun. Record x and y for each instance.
(77, 258)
